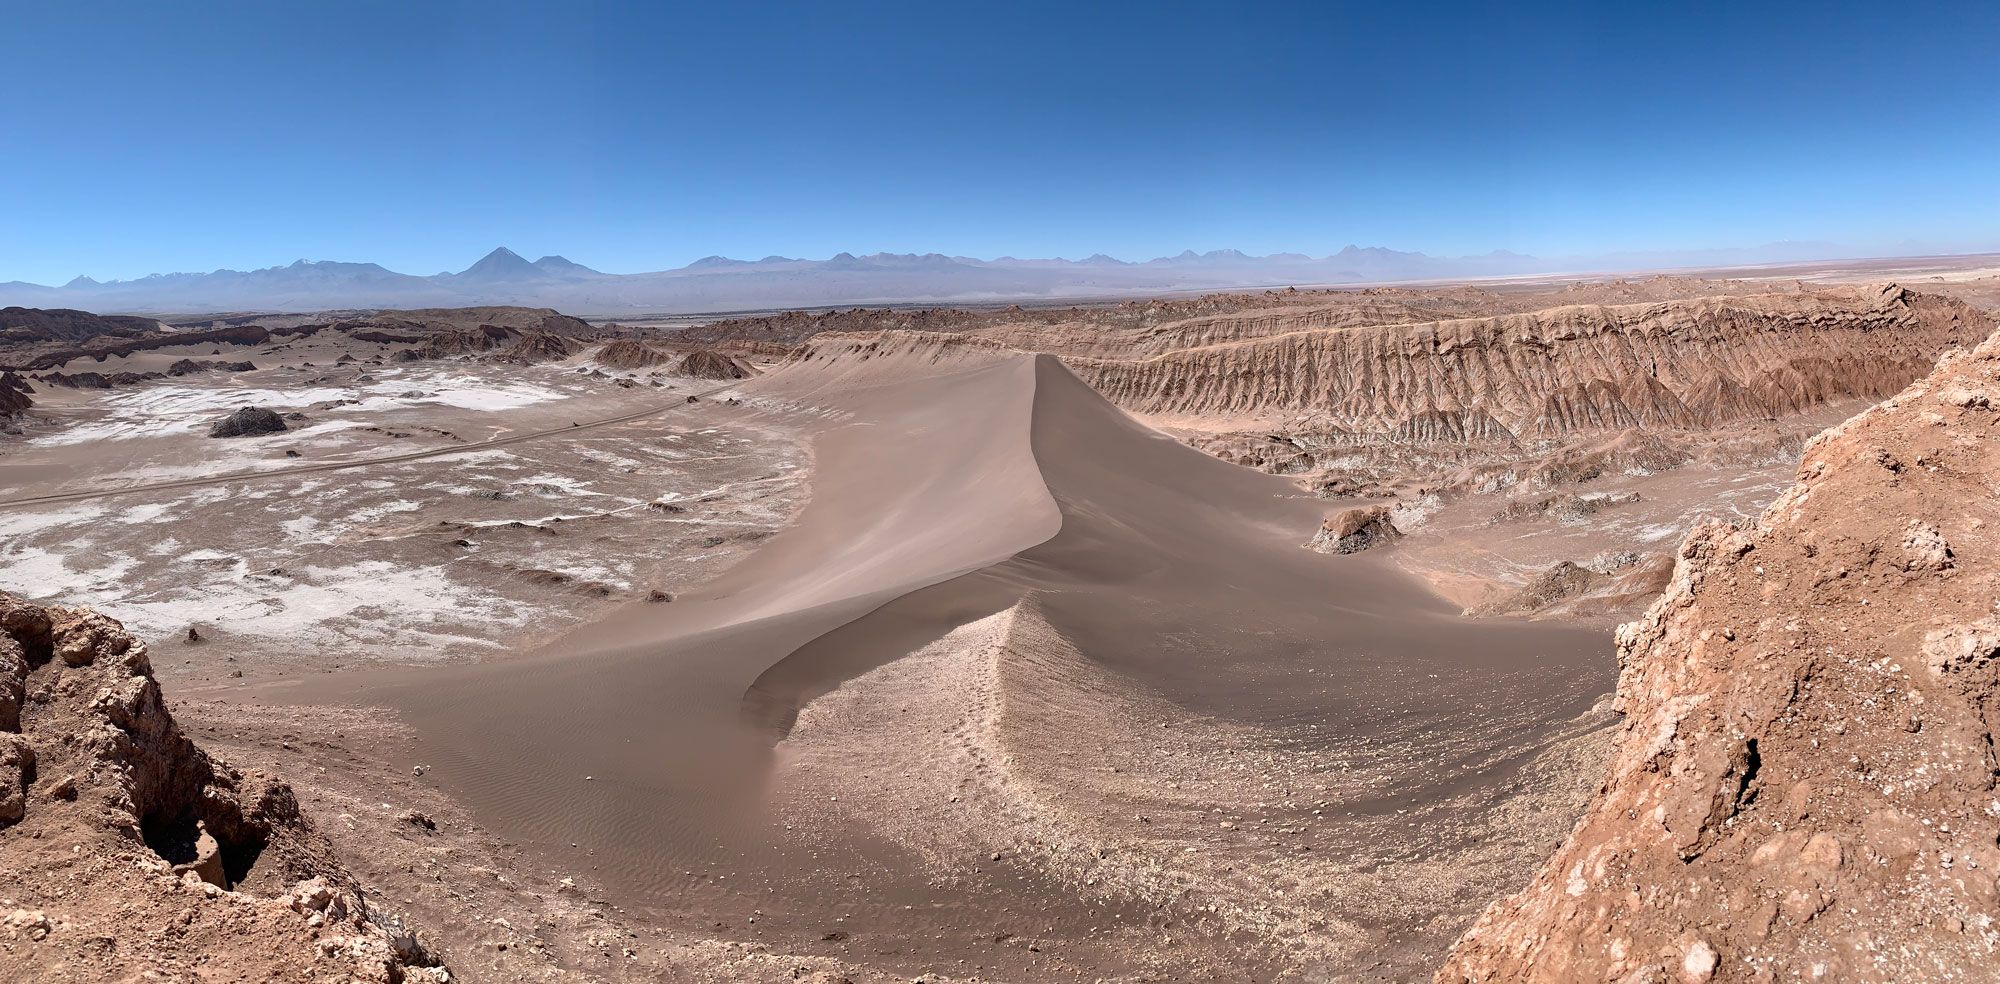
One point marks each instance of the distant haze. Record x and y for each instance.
(635, 137)
(716, 283)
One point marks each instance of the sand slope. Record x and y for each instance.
(1175, 631)
(952, 482)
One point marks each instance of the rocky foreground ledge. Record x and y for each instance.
(126, 853)
(1804, 785)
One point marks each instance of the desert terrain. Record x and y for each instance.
(1251, 636)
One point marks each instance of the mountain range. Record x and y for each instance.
(718, 283)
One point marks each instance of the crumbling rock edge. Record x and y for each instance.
(183, 862)
(1804, 784)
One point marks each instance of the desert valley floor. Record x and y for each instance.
(1245, 637)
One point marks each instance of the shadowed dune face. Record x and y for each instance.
(952, 483)
(1384, 727)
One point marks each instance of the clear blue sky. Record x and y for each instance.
(143, 137)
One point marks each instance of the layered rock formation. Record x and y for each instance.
(1804, 785)
(1296, 384)
(630, 353)
(20, 325)
(101, 380)
(1559, 371)
(702, 363)
(35, 340)
(521, 319)
(519, 334)
(15, 394)
(189, 367)
(706, 364)
(535, 347)
(442, 344)
(130, 854)
(1142, 328)
(1354, 530)
(100, 348)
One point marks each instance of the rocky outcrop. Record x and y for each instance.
(1466, 426)
(225, 335)
(520, 320)
(1335, 371)
(537, 347)
(189, 367)
(1804, 783)
(30, 325)
(248, 422)
(1354, 530)
(519, 334)
(852, 349)
(1145, 328)
(442, 343)
(102, 380)
(630, 353)
(1565, 507)
(14, 394)
(115, 827)
(704, 364)
(98, 380)
(1556, 372)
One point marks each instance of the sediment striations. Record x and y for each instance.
(1804, 783)
(536, 347)
(443, 343)
(1550, 373)
(99, 349)
(20, 325)
(707, 364)
(130, 854)
(14, 394)
(630, 353)
(1141, 328)
(1335, 375)
(521, 319)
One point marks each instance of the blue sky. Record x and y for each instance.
(141, 137)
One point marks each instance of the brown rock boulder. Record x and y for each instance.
(1354, 530)
(248, 422)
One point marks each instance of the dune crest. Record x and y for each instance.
(1132, 709)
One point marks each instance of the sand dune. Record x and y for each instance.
(951, 483)
(1029, 690)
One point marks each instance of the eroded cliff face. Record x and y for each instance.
(1554, 372)
(1360, 383)
(129, 853)
(1804, 784)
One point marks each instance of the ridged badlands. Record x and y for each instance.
(1684, 363)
